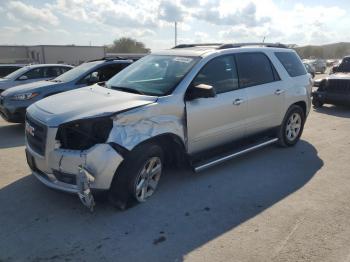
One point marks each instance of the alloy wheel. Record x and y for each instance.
(148, 178)
(293, 126)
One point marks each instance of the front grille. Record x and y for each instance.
(339, 86)
(36, 135)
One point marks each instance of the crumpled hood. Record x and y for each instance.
(87, 102)
(30, 87)
(339, 76)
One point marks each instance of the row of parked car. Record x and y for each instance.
(32, 83)
(193, 105)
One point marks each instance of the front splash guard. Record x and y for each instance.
(84, 179)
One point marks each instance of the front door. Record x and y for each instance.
(214, 121)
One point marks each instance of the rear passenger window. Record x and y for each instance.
(220, 73)
(291, 63)
(255, 69)
(52, 72)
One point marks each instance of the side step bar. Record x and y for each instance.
(213, 162)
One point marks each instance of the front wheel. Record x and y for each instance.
(137, 178)
(292, 126)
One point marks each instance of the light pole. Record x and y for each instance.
(175, 33)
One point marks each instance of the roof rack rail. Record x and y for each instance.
(237, 45)
(194, 45)
(110, 58)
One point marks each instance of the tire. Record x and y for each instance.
(137, 178)
(292, 126)
(317, 103)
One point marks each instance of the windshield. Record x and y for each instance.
(17, 73)
(76, 72)
(155, 75)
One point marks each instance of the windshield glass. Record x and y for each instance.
(17, 73)
(76, 72)
(155, 75)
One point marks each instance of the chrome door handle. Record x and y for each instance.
(279, 91)
(238, 101)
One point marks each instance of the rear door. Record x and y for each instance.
(214, 121)
(265, 91)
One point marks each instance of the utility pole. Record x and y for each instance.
(175, 33)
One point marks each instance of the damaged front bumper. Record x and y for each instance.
(75, 171)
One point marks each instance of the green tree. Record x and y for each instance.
(127, 45)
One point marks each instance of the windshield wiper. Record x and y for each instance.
(127, 89)
(54, 80)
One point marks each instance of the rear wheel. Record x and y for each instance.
(292, 126)
(137, 178)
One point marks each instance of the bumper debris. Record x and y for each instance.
(84, 179)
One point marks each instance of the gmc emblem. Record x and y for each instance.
(29, 129)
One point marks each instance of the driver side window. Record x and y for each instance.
(35, 73)
(220, 73)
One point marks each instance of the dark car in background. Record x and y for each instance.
(6, 69)
(342, 66)
(335, 89)
(14, 101)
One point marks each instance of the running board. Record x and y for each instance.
(212, 162)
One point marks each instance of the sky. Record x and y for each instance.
(99, 22)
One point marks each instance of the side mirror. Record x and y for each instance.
(93, 79)
(23, 77)
(201, 91)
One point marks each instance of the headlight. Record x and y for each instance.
(85, 133)
(24, 96)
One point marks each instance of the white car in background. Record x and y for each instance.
(32, 73)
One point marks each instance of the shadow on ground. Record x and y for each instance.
(11, 135)
(335, 110)
(188, 211)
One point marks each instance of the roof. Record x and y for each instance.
(204, 49)
(42, 65)
(93, 46)
(14, 65)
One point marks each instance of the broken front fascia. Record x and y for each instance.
(94, 168)
(135, 126)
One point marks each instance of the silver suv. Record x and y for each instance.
(193, 104)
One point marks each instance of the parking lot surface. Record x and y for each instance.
(274, 204)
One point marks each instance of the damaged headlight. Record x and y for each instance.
(83, 134)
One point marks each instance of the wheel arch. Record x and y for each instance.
(303, 106)
(172, 145)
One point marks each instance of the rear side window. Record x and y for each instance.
(255, 69)
(52, 72)
(291, 63)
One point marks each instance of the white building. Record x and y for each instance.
(45, 54)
